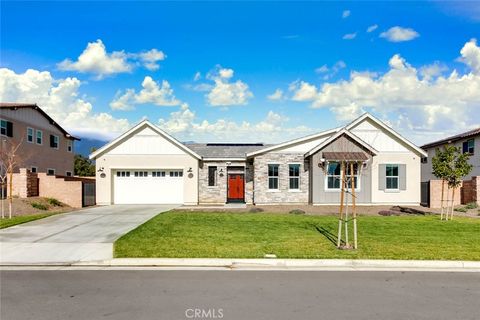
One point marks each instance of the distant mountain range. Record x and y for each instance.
(85, 145)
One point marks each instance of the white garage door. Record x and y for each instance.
(140, 186)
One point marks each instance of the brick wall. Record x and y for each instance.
(25, 184)
(471, 190)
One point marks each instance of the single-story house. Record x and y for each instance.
(145, 165)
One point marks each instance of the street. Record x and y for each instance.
(162, 294)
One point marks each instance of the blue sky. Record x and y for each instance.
(319, 58)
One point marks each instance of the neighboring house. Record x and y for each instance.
(45, 146)
(146, 165)
(468, 142)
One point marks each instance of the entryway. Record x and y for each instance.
(236, 187)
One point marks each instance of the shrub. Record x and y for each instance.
(461, 209)
(255, 210)
(54, 202)
(39, 206)
(471, 205)
(297, 211)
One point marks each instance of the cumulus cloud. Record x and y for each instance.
(372, 28)
(399, 34)
(427, 98)
(227, 93)
(349, 36)
(185, 126)
(61, 99)
(346, 14)
(331, 71)
(276, 96)
(96, 60)
(152, 92)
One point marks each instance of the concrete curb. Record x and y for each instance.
(289, 264)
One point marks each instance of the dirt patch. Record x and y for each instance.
(34, 205)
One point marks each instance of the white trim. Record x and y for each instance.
(33, 135)
(390, 130)
(36, 169)
(299, 176)
(336, 136)
(70, 144)
(357, 187)
(36, 137)
(54, 172)
(4, 135)
(67, 172)
(277, 189)
(132, 131)
(58, 142)
(225, 159)
(292, 142)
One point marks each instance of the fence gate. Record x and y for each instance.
(425, 193)
(88, 194)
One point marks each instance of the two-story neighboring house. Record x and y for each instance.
(468, 142)
(45, 147)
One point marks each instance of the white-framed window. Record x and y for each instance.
(391, 176)
(33, 169)
(468, 146)
(294, 176)
(69, 145)
(424, 160)
(334, 176)
(212, 176)
(30, 135)
(68, 173)
(356, 178)
(54, 141)
(50, 172)
(158, 174)
(141, 174)
(3, 127)
(273, 176)
(123, 174)
(176, 173)
(39, 136)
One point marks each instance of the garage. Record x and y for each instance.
(152, 186)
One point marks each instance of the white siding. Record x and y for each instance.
(302, 147)
(381, 140)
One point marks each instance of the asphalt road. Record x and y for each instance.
(139, 295)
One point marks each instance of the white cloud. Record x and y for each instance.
(185, 126)
(349, 36)
(152, 92)
(471, 55)
(331, 71)
(399, 34)
(429, 100)
(61, 99)
(276, 96)
(96, 60)
(226, 93)
(322, 69)
(346, 14)
(433, 70)
(372, 28)
(197, 76)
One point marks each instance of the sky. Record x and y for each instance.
(244, 72)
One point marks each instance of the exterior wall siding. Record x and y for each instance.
(262, 195)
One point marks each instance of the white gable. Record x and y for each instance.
(302, 147)
(377, 137)
(146, 141)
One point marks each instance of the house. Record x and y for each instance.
(468, 142)
(45, 146)
(147, 165)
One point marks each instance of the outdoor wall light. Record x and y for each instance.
(100, 169)
(190, 169)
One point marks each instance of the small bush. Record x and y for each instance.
(471, 205)
(297, 211)
(255, 210)
(54, 202)
(460, 209)
(39, 206)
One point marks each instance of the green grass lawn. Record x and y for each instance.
(224, 235)
(5, 223)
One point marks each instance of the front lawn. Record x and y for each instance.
(234, 235)
(6, 222)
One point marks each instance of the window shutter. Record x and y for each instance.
(9, 129)
(381, 176)
(52, 141)
(402, 176)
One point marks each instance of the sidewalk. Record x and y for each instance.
(266, 264)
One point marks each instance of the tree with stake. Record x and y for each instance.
(441, 164)
(9, 160)
(458, 170)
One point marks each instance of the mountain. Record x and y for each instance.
(85, 145)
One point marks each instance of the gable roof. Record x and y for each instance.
(452, 139)
(226, 151)
(292, 142)
(388, 129)
(15, 106)
(133, 130)
(336, 136)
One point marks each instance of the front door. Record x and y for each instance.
(236, 188)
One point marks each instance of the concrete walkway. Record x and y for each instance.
(83, 235)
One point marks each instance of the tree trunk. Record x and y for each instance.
(442, 203)
(453, 203)
(10, 197)
(340, 216)
(448, 204)
(354, 208)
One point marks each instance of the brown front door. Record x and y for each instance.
(236, 188)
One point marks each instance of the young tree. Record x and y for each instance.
(459, 169)
(441, 163)
(9, 160)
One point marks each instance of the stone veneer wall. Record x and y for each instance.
(218, 194)
(436, 194)
(25, 184)
(263, 195)
(62, 189)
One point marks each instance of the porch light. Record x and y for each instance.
(190, 169)
(100, 169)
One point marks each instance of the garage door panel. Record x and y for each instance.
(158, 186)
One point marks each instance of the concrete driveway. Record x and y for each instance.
(83, 235)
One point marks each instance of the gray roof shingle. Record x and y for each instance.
(225, 150)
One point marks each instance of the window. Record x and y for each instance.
(294, 176)
(355, 176)
(6, 128)
(176, 173)
(141, 174)
(158, 174)
(54, 141)
(333, 175)
(273, 176)
(39, 137)
(68, 173)
(424, 160)
(50, 172)
(34, 169)
(468, 146)
(212, 176)
(391, 176)
(70, 146)
(123, 173)
(30, 135)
